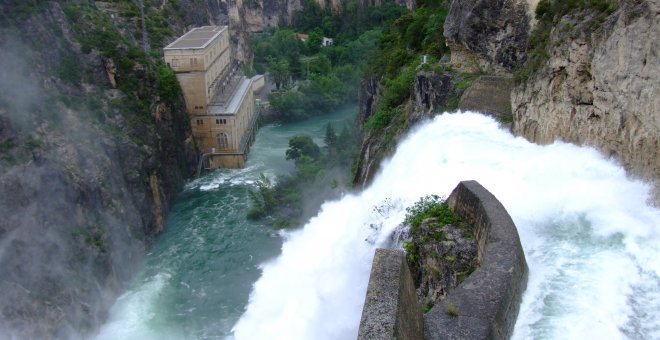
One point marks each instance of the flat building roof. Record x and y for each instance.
(234, 104)
(196, 38)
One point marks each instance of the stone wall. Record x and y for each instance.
(489, 95)
(391, 309)
(484, 306)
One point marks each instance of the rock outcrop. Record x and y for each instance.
(432, 93)
(443, 257)
(486, 35)
(600, 88)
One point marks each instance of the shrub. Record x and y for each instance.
(451, 311)
(430, 206)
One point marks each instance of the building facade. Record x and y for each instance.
(219, 99)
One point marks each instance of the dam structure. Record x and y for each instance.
(219, 98)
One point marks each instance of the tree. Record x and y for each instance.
(279, 70)
(315, 40)
(330, 137)
(302, 145)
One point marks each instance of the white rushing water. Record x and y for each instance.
(591, 241)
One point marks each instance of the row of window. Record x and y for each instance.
(200, 121)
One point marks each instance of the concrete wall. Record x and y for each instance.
(258, 83)
(490, 95)
(197, 59)
(486, 304)
(233, 161)
(391, 309)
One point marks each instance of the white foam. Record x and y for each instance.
(591, 241)
(134, 315)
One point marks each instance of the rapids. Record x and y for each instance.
(591, 241)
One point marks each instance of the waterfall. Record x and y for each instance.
(591, 241)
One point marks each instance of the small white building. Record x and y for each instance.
(327, 42)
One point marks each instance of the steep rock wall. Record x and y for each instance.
(486, 35)
(600, 89)
(90, 160)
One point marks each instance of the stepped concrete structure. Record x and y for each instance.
(219, 99)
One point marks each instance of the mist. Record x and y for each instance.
(68, 243)
(590, 239)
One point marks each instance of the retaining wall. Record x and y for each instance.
(486, 304)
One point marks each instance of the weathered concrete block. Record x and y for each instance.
(486, 304)
(391, 309)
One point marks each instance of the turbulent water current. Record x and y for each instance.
(591, 241)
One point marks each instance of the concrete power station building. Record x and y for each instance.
(219, 99)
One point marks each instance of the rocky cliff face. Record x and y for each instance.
(598, 84)
(94, 146)
(486, 35)
(599, 87)
(432, 93)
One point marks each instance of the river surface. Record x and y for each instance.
(198, 276)
(591, 241)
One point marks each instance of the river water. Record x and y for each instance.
(198, 276)
(591, 241)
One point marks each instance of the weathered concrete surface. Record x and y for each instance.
(391, 309)
(487, 302)
(490, 95)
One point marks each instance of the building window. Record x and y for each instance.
(223, 142)
(221, 121)
(200, 121)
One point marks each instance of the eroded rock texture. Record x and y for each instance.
(600, 89)
(486, 35)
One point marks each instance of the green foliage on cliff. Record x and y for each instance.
(579, 17)
(432, 206)
(167, 86)
(141, 76)
(398, 59)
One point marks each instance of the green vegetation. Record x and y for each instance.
(6, 148)
(429, 206)
(582, 17)
(319, 174)
(451, 310)
(398, 61)
(312, 80)
(141, 76)
(422, 240)
(167, 86)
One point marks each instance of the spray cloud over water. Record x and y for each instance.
(591, 241)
